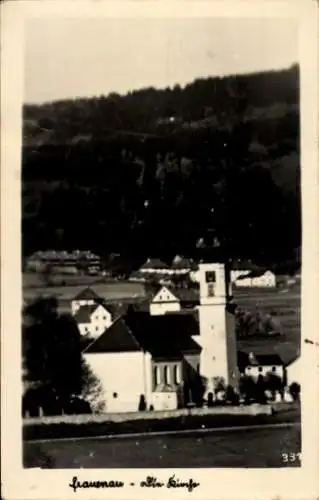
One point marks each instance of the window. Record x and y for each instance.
(166, 375)
(104, 317)
(114, 395)
(211, 290)
(96, 328)
(177, 378)
(260, 368)
(274, 368)
(210, 277)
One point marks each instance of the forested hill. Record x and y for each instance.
(154, 170)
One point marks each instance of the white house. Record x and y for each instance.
(253, 279)
(93, 319)
(164, 301)
(155, 266)
(268, 280)
(172, 299)
(263, 364)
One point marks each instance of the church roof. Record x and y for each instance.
(116, 338)
(164, 337)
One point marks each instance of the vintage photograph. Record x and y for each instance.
(161, 243)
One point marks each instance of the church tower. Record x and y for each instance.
(217, 326)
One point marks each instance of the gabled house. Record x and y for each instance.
(92, 320)
(165, 299)
(147, 358)
(264, 279)
(157, 266)
(261, 364)
(182, 265)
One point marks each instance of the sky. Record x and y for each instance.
(68, 58)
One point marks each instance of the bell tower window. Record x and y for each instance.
(210, 277)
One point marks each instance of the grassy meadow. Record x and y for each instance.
(282, 303)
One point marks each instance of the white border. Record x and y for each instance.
(216, 483)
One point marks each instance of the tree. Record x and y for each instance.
(294, 389)
(273, 383)
(52, 352)
(247, 387)
(260, 390)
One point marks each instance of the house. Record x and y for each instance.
(155, 266)
(261, 364)
(63, 261)
(153, 269)
(265, 279)
(93, 319)
(163, 301)
(182, 265)
(146, 358)
(166, 300)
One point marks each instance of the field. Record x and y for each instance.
(283, 304)
(236, 448)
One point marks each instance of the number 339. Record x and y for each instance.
(290, 457)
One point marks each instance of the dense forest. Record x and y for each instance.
(154, 171)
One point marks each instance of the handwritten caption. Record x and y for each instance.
(148, 482)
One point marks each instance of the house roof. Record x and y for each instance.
(87, 294)
(83, 315)
(254, 274)
(164, 337)
(154, 264)
(259, 359)
(182, 294)
(186, 294)
(182, 263)
(117, 338)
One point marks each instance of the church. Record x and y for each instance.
(166, 361)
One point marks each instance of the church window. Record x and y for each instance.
(156, 377)
(166, 375)
(177, 378)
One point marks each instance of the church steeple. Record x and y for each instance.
(217, 325)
